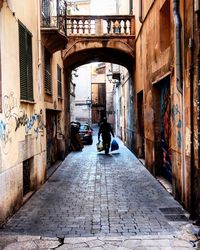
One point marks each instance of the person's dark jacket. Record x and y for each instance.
(105, 131)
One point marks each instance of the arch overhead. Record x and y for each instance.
(100, 38)
(113, 50)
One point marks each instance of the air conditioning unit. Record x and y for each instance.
(196, 5)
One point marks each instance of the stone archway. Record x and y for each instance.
(81, 51)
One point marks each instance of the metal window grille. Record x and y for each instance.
(59, 81)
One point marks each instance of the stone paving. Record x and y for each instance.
(100, 201)
(166, 242)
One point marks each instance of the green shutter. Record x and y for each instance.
(29, 68)
(26, 65)
(47, 79)
(23, 62)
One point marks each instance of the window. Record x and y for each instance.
(28, 175)
(165, 28)
(59, 81)
(25, 62)
(47, 73)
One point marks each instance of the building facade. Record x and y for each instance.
(31, 103)
(157, 100)
(166, 98)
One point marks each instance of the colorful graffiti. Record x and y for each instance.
(34, 122)
(176, 120)
(4, 132)
(16, 117)
(166, 131)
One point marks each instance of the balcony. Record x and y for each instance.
(100, 25)
(82, 32)
(53, 25)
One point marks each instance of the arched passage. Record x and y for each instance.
(117, 53)
(78, 56)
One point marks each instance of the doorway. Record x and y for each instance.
(140, 110)
(162, 107)
(51, 128)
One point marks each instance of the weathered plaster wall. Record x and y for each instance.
(154, 61)
(22, 124)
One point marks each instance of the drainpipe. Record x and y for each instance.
(179, 83)
(130, 7)
(178, 26)
(140, 11)
(191, 80)
(198, 113)
(39, 47)
(197, 11)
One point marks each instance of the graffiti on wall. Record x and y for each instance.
(176, 120)
(5, 133)
(16, 117)
(10, 107)
(166, 131)
(35, 122)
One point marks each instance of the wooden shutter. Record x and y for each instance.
(48, 87)
(25, 62)
(29, 68)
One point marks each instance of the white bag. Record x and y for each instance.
(100, 146)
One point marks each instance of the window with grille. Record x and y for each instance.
(25, 63)
(59, 81)
(47, 73)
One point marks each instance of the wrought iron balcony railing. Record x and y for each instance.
(54, 14)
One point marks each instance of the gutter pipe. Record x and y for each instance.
(179, 84)
(131, 7)
(198, 115)
(191, 80)
(178, 26)
(140, 11)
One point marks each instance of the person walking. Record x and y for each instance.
(105, 131)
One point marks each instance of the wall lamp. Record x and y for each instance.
(114, 76)
(110, 76)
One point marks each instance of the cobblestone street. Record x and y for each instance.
(97, 195)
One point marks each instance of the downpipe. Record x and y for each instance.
(191, 80)
(198, 116)
(197, 10)
(140, 11)
(178, 27)
(130, 7)
(179, 82)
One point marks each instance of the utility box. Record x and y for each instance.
(197, 5)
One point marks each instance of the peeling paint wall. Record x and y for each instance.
(23, 123)
(155, 60)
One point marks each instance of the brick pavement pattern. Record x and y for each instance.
(93, 194)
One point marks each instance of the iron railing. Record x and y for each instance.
(54, 14)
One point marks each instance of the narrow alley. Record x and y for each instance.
(110, 197)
